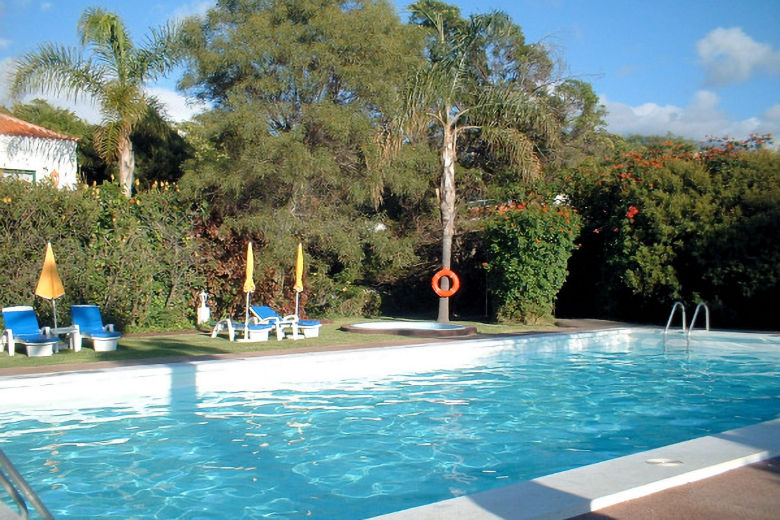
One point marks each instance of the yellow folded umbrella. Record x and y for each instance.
(49, 284)
(299, 269)
(298, 277)
(249, 283)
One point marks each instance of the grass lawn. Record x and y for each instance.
(134, 347)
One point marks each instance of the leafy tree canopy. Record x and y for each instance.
(290, 151)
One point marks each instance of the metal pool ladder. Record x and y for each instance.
(15, 485)
(695, 314)
(671, 316)
(677, 305)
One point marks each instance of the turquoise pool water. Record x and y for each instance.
(353, 435)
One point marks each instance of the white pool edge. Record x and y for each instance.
(596, 486)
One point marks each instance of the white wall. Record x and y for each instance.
(44, 156)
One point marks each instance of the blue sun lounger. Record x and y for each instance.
(90, 325)
(255, 331)
(21, 326)
(265, 314)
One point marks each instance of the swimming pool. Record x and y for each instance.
(361, 433)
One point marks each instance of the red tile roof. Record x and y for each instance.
(10, 125)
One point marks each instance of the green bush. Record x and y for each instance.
(666, 223)
(528, 249)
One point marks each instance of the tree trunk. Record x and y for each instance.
(447, 205)
(126, 166)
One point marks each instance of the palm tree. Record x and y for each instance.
(113, 77)
(456, 92)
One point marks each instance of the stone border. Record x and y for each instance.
(410, 331)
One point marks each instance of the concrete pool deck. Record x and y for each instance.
(749, 493)
(729, 475)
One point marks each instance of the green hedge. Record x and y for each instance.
(135, 258)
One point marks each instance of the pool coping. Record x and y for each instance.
(596, 486)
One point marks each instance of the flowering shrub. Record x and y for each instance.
(528, 246)
(673, 223)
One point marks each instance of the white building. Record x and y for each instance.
(34, 153)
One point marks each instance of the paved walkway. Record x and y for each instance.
(748, 493)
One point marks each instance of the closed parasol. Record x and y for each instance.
(49, 284)
(249, 284)
(298, 276)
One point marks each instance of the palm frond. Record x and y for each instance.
(160, 53)
(123, 102)
(108, 138)
(57, 69)
(514, 147)
(106, 35)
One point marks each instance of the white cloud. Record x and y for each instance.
(6, 75)
(696, 121)
(193, 8)
(773, 114)
(731, 56)
(177, 107)
(82, 107)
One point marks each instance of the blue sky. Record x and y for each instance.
(688, 67)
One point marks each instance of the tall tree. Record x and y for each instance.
(480, 80)
(113, 76)
(298, 90)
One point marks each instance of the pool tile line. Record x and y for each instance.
(596, 486)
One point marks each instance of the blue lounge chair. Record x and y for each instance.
(90, 325)
(21, 326)
(255, 331)
(265, 314)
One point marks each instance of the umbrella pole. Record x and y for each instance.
(54, 307)
(297, 298)
(246, 318)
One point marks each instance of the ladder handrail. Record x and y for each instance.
(706, 317)
(15, 496)
(671, 316)
(18, 483)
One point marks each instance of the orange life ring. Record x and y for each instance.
(454, 283)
